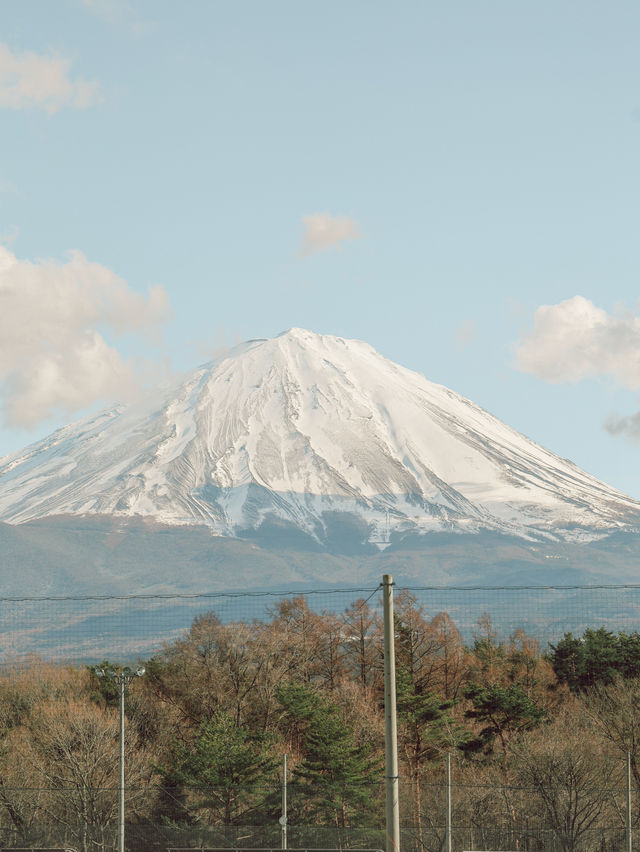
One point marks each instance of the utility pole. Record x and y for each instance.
(390, 722)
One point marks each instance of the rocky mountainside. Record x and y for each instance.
(310, 438)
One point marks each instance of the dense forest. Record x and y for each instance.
(538, 737)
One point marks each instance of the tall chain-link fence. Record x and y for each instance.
(555, 779)
(85, 629)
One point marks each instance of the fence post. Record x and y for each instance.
(283, 818)
(449, 801)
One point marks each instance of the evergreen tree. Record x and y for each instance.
(602, 656)
(596, 659)
(427, 730)
(504, 711)
(337, 777)
(629, 654)
(171, 806)
(568, 661)
(227, 771)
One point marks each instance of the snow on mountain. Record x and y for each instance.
(307, 431)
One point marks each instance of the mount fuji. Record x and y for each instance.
(307, 454)
(316, 434)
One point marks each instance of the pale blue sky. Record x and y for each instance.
(423, 176)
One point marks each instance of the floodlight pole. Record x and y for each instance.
(122, 678)
(390, 721)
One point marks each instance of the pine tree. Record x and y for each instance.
(504, 711)
(568, 661)
(338, 779)
(228, 771)
(427, 730)
(596, 659)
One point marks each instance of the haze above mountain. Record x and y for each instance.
(316, 438)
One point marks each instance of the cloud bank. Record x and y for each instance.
(322, 231)
(574, 340)
(31, 80)
(53, 356)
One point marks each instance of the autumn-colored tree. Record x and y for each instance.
(488, 652)
(298, 625)
(20, 692)
(516, 661)
(614, 709)
(362, 634)
(74, 747)
(417, 645)
(186, 674)
(454, 660)
(570, 777)
(331, 663)
(232, 667)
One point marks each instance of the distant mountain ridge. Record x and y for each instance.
(312, 437)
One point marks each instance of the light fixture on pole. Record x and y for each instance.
(123, 678)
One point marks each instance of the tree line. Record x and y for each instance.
(538, 736)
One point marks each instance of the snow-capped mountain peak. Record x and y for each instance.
(308, 431)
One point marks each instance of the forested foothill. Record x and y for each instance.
(538, 737)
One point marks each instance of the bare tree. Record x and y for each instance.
(21, 690)
(74, 749)
(569, 775)
(362, 634)
(299, 625)
(615, 711)
(216, 667)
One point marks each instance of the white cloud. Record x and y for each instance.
(574, 340)
(32, 80)
(629, 426)
(322, 231)
(465, 334)
(53, 356)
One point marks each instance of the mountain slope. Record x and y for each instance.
(310, 435)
